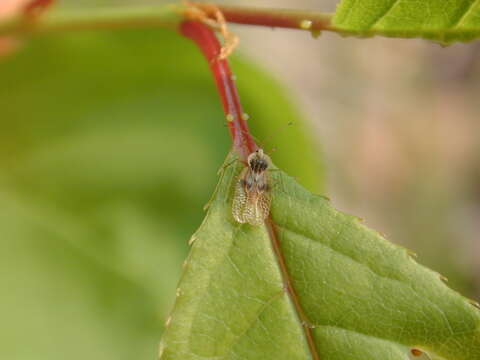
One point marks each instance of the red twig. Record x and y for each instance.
(208, 43)
(286, 18)
(243, 142)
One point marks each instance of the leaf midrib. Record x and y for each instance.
(270, 227)
(289, 289)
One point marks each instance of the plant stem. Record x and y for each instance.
(92, 19)
(161, 16)
(286, 18)
(204, 37)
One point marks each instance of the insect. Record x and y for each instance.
(251, 203)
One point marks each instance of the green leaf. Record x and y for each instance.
(109, 145)
(357, 295)
(441, 21)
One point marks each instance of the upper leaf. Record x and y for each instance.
(442, 21)
(355, 294)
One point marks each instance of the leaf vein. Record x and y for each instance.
(262, 309)
(317, 241)
(465, 15)
(385, 13)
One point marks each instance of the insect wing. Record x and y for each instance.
(239, 201)
(259, 203)
(250, 205)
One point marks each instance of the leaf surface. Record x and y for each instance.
(355, 294)
(442, 21)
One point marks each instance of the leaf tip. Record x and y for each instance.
(324, 197)
(443, 278)
(474, 303)
(411, 253)
(192, 240)
(168, 321)
(161, 349)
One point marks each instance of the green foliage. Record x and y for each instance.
(109, 143)
(364, 297)
(442, 21)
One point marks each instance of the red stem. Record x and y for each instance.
(286, 18)
(243, 142)
(208, 43)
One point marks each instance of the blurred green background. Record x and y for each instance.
(110, 143)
